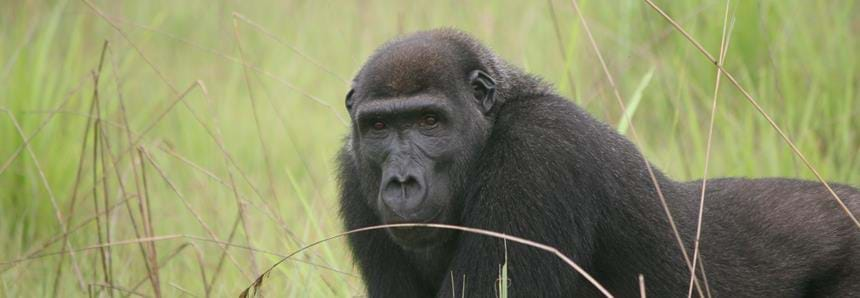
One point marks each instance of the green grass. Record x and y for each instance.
(797, 58)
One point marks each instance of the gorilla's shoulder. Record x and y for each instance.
(548, 116)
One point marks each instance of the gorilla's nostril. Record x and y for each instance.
(404, 179)
(405, 188)
(409, 182)
(409, 188)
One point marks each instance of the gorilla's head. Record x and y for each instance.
(421, 108)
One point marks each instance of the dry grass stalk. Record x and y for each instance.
(562, 51)
(724, 45)
(216, 135)
(148, 249)
(637, 141)
(758, 108)
(190, 209)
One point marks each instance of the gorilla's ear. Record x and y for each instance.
(348, 101)
(484, 89)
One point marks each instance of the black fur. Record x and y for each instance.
(544, 170)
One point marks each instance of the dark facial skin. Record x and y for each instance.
(416, 137)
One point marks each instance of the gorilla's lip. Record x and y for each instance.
(397, 219)
(416, 239)
(416, 236)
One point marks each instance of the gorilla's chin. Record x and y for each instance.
(415, 238)
(418, 237)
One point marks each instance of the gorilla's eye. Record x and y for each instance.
(429, 120)
(378, 125)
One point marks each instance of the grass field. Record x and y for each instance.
(211, 123)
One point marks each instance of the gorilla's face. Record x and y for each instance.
(416, 130)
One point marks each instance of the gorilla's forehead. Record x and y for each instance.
(412, 65)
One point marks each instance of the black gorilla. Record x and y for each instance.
(444, 131)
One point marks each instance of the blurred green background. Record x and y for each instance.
(247, 156)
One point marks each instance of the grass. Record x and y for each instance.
(239, 171)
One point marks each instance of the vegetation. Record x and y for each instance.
(210, 127)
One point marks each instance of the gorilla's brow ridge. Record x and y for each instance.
(380, 108)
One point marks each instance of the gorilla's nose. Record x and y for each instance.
(403, 195)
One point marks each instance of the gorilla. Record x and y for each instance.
(444, 131)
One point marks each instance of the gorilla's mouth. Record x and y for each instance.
(417, 237)
(420, 218)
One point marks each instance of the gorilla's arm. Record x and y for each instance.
(386, 271)
(477, 265)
